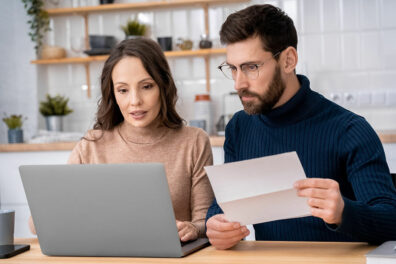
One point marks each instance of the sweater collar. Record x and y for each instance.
(296, 109)
(142, 136)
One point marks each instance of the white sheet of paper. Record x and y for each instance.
(259, 190)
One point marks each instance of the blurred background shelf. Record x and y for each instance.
(215, 141)
(168, 54)
(135, 6)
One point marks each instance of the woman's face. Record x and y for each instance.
(136, 93)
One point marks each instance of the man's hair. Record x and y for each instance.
(275, 29)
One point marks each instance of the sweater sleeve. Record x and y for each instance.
(201, 190)
(372, 216)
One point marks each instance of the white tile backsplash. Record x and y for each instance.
(350, 15)
(312, 16)
(331, 53)
(388, 48)
(350, 49)
(369, 14)
(388, 11)
(370, 52)
(331, 16)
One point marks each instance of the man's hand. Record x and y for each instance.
(324, 198)
(187, 231)
(223, 234)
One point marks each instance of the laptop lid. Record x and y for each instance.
(102, 210)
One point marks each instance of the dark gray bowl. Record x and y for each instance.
(102, 41)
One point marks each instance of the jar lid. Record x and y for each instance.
(202, 97)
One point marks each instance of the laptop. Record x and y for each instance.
(119, 210)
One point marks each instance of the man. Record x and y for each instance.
(348, 186)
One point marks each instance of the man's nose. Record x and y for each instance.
(240, 80)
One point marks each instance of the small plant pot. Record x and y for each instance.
(54, 123)
(133, 37)
(15, 136)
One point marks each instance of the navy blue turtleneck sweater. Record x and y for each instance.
(333, 143)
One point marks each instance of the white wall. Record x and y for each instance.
(18, 78)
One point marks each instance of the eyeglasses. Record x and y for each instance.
(251, 70)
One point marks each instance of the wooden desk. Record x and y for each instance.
(244, 252)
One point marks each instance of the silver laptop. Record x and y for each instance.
(120, 210)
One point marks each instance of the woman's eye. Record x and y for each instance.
(122, 90)
(148, 86)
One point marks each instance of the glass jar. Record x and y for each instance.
(205, 43)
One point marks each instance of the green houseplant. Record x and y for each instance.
(38, 21)
(14, 124)
(134, 29)
(53, 109)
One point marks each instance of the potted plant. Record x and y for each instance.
(39, 21)
(14, 124)
(134, 29)
(53, 109)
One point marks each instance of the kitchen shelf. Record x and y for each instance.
(168, 54)
(136, 6)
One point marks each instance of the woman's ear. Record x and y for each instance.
(289, 59)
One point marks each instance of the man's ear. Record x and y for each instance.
(289, 59)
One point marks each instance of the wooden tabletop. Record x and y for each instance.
(244, 252)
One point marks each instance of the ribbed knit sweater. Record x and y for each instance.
(332, 143)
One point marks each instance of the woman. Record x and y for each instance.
(137, 122)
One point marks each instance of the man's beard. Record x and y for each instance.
(266, 101)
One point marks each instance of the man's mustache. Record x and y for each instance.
(245, 92)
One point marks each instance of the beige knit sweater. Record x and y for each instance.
(184, 153)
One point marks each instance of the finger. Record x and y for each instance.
(219, 225)
(243, 231)
(221, 218)
(183, 232)
(227, 243)
(317, 203)
(313, 192)
(188, 236)
(180, 225)
(315, 183)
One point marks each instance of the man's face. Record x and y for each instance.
(260, 92)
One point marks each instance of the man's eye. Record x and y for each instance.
(251, 67)
(232, 68)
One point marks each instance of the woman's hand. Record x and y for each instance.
(31, 226)
(187, 231)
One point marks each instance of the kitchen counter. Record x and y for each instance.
(386, 136)
(215, 141)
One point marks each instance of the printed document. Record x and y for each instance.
(259, 190)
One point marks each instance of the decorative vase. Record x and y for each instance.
(15, 135)
(54, 123)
